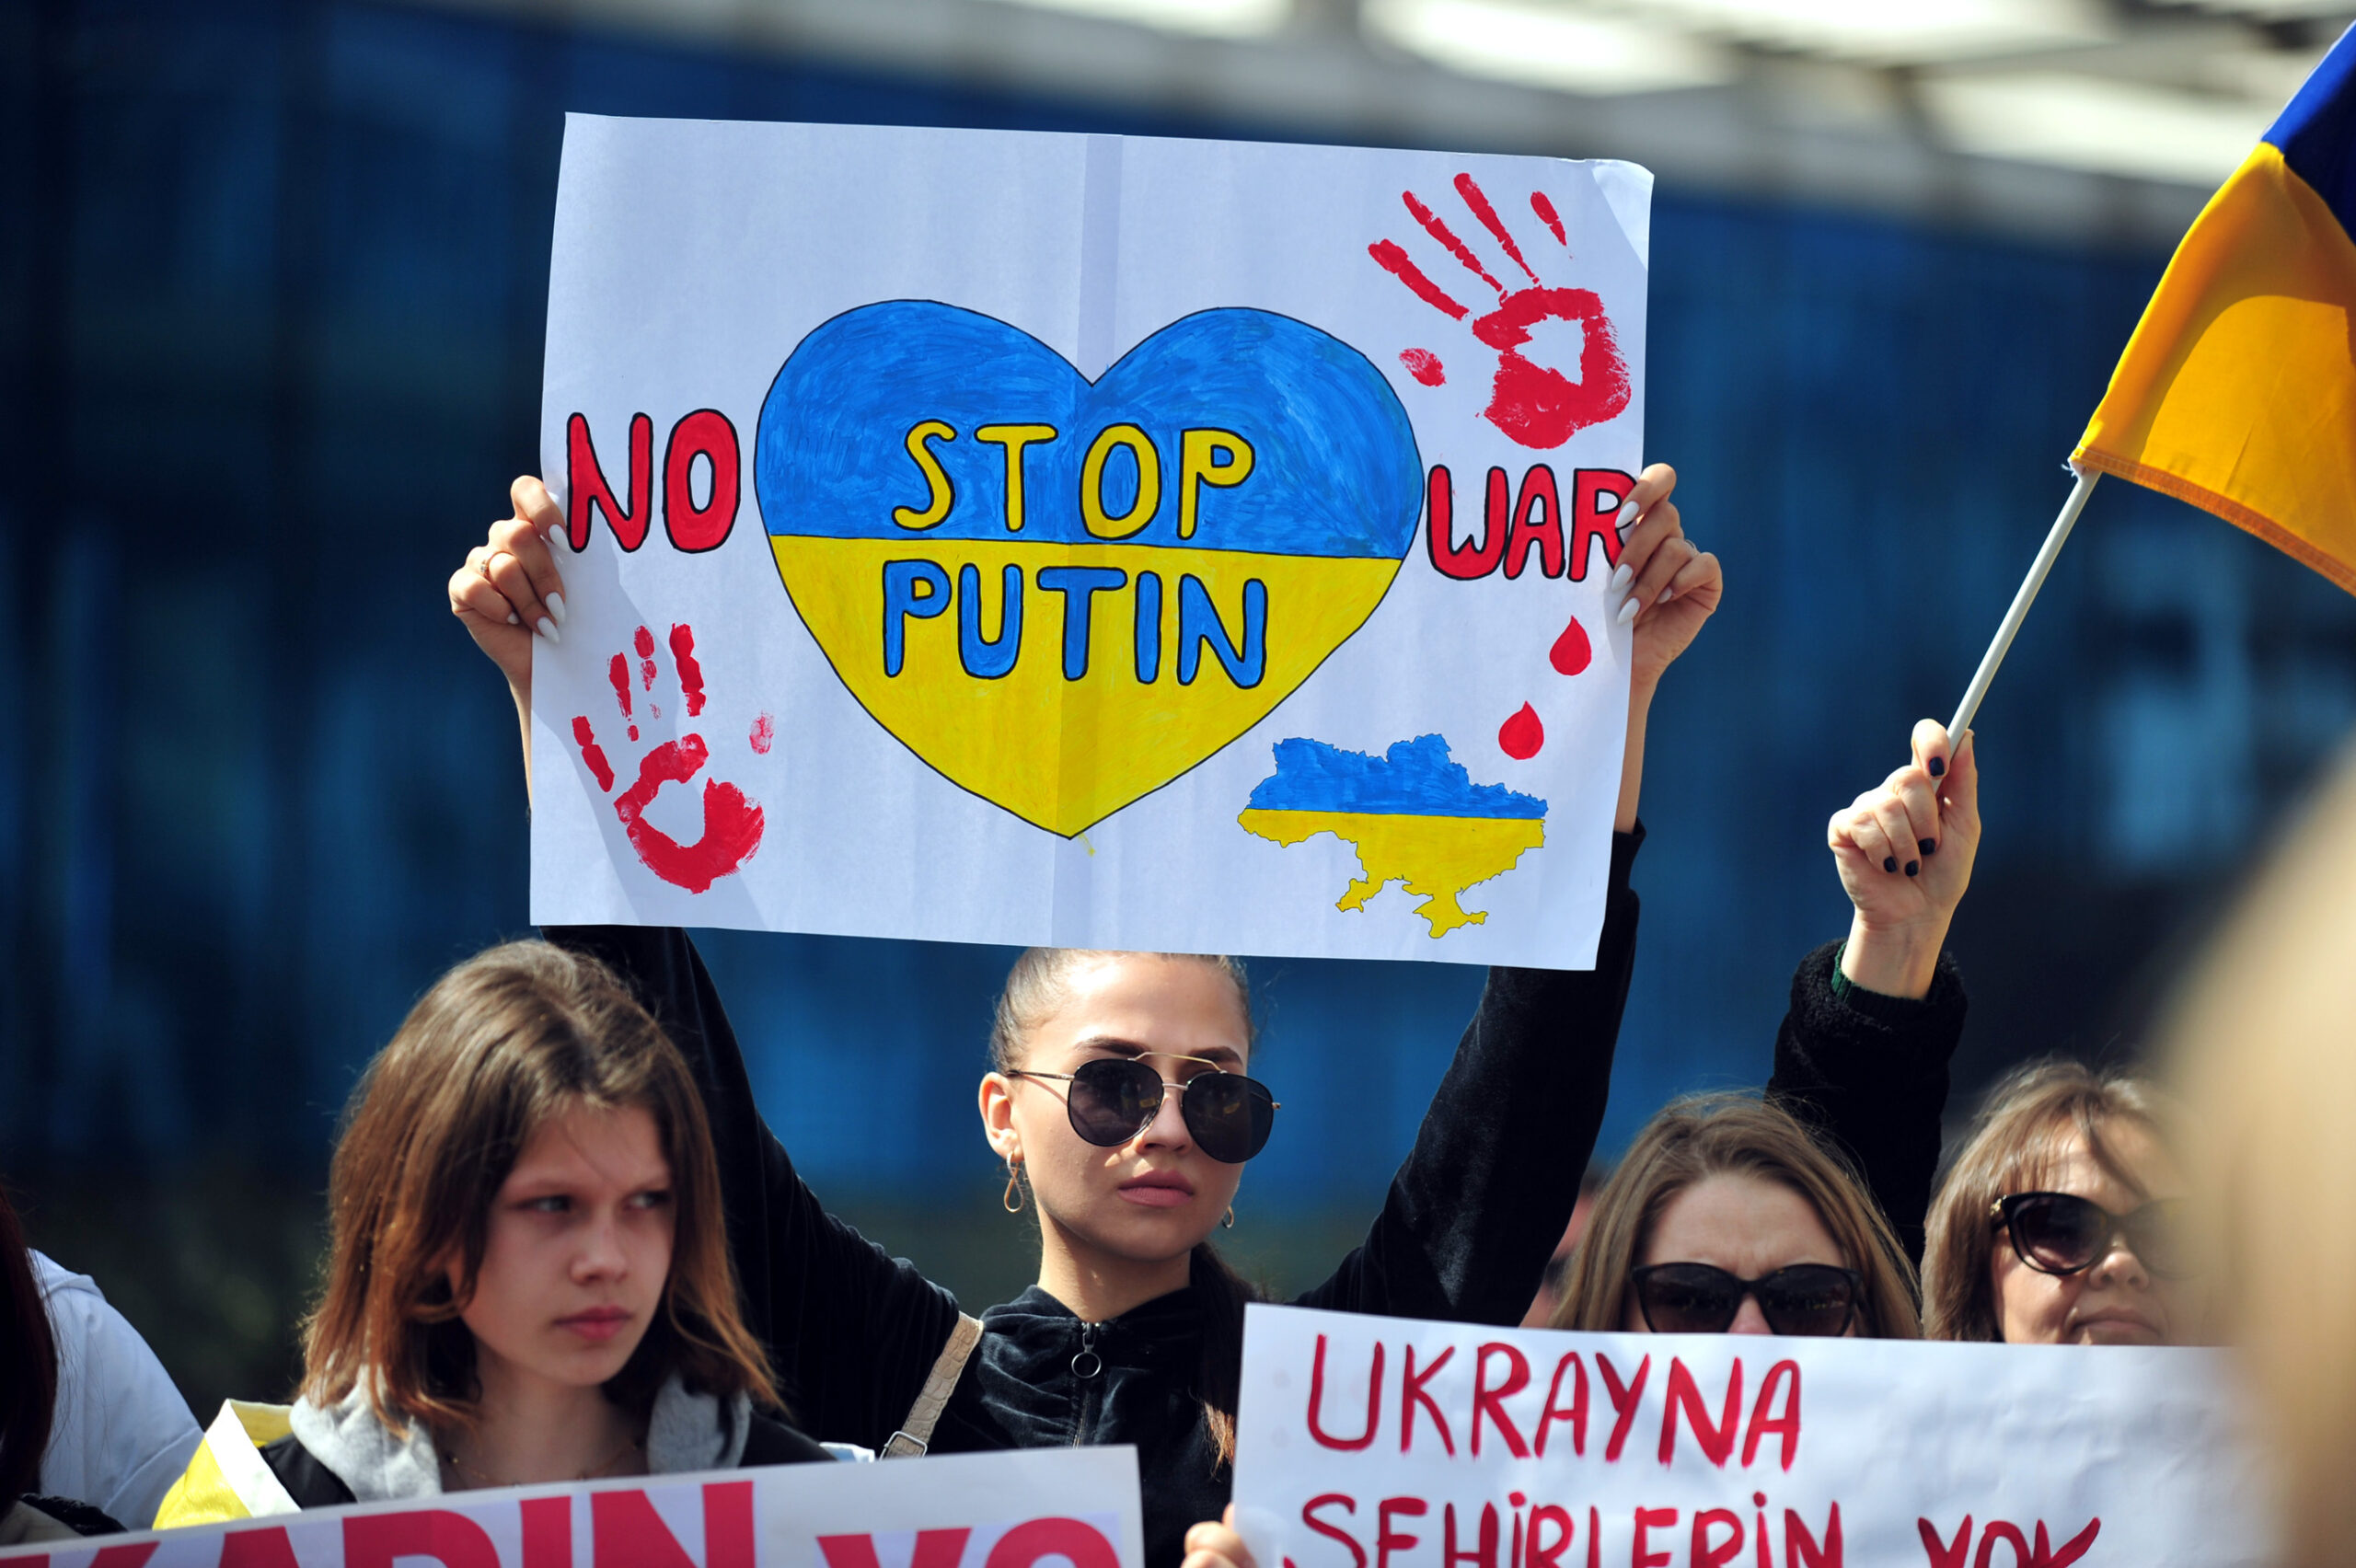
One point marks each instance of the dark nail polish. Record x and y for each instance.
(1938, 767)
(1890, 863)
(1929, 846)
(1913, 866)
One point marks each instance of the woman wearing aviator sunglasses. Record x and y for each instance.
(1119, 1101)
(2059, 1222)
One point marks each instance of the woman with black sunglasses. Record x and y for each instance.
(1726, 1216)
(1120, 1101)
(2059, 1222)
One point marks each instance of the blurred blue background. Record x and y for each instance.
(272, 280)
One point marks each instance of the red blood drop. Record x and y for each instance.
(1520, 736)
(1423, 365)
(1570, 654)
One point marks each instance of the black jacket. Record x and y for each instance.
(312, 1485)
(1471, 1218)
(1870, 1074)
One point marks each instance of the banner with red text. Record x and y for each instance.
(1061, 1509)
(1383, 1443)
(1086, 541)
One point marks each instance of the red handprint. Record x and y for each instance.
(732, 824)
(1536, 405)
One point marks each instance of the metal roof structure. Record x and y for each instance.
(2100, 121)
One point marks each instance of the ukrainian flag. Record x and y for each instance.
(2237, 392)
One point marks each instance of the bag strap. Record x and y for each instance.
(916, 1432)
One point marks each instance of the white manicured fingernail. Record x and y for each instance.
(515, 619)
(556, 608)
(1665, 593)
(1628, 611)
(548, 629)
(1627, 515)
(1620, 577)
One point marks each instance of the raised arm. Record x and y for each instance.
(851, 1332)
(1862, 1053)
(1475, 1211)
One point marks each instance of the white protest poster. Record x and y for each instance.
(1087, 541)
(1370, 1442)
(1062, 1508)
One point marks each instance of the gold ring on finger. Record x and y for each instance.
(483, 565)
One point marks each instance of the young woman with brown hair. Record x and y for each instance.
(1794, 1213)
(1726, 1216)
(1118, 1100)
(528, 1278)
(2059, 1222)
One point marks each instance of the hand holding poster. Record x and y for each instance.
(1014, 537)
(1383, 1443)
(1069, 1508)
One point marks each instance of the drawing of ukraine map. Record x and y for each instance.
(1413, 814)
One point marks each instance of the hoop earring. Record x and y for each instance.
(1229, 1223)
(1013, 1199)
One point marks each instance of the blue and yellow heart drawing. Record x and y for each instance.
(1062, 595)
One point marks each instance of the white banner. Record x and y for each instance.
(1089, 540)
(1063, 1508)
(1383, 1443)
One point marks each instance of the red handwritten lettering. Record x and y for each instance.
(705, 434)
(378, 1540)
(1574, 1412)
(1708, 1553)
(1471, 560)
(1597, 495)
(1800, 1548)
(132, 1556)
(1030, 1542)
(1716, 1439)
(1944, 1553)
(2072, 1549)
(1624, 1399)
(547, 1532)
(2010, 1534)
(1548, 1554)
(1488, 1405)
(1482, 1556)
(585, 485)
(626, 1531)
(270, 1549)
(1641, 1553)
(1386, 1539)
(1317, 1400)
(1786, 1425)
(1331, 1532)
(934, 1548)
(1411, 1394)
(727, 1524)
(1540, 499)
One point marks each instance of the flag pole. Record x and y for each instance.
(1986, 674)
